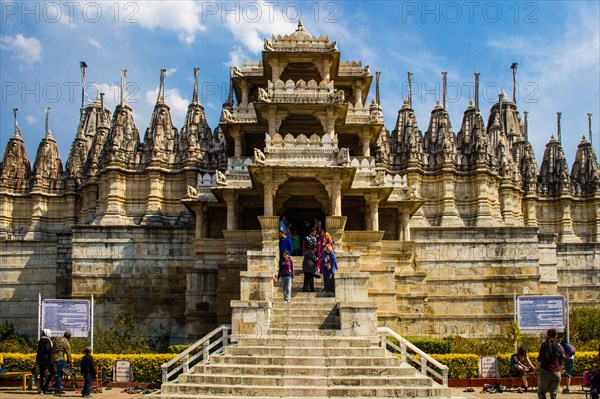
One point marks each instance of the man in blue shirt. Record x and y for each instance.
(285, 244)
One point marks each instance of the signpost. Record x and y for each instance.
(488, 367)
(122, 371)
(60, 315)
(538, 313)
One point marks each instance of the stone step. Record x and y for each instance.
(306, 360)
(283, 340)
(306, 350)
(298, 314)
(296, 333)
(297, 325)
(213, 396)
(401, 370)
(173, 390)
(304, 303)
(320, 381)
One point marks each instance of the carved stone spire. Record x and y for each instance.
(47, 168)
(15, 168)
(122, 140)
(471, 141)
(585, 173)
(529, 169)
(554, 172)
(95, 127)
(194, 130)
(161, 136)
(439, 142)
(407, 141)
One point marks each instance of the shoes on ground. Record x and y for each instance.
(520, 390)
(566, 390)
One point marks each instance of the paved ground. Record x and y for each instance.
(118, 393)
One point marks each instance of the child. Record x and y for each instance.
(88, 369)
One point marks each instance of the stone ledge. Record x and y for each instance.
(250, 304)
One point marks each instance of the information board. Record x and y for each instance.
(488, 367)
(60, 315)
(538, 313)
(122, 371)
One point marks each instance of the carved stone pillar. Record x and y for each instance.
(274, 119)
(6, 209)
(326, 69)
(335, 226)
(269, 194)
(566, 224)
(232, 217)
(484, 213)
(237, 141)
(155, 194)
(373, 206)
(405, 226)
(365, 141)
(335, 193)
(327, 119)
(244, 86)
(200, 221)
(358, 94)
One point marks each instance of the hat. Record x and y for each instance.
(46, 332)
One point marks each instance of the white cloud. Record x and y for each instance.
(24, 49)
(32, 120)
(251, 29)
(236, 57)
(94, 43)
(170, 71)
(182, 17)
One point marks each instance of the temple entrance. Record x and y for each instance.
(303, 212)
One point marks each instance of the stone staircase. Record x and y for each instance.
(303, 356)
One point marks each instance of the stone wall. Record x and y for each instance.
(139, 269)
(27, 268)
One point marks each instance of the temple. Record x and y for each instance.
(438, 230)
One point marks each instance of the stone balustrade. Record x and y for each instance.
(301, 92)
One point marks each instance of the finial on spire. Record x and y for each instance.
(444, 89)
(514, 73)
(476, 91)
(195, 95)
(526, 113)
(161, 88)
(410, 89)
(590, 127)
(230, 96)
(102, 107)
(18, 130)
(123, 84)
(83, 66)
(377, 75)
(300, 26)
(558, 132)
(48, 133)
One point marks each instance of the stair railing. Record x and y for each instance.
(428, 365)
(202, 356)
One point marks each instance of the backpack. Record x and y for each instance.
(569, 349)
(551, 350)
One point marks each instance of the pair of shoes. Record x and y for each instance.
(469, 390)
(287, 301)
(520, 390)
(566, 390)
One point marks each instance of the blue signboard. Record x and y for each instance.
(60, 315)
(538, 313)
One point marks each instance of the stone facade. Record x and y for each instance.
(438, 228)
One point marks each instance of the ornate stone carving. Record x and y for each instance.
(15, 168)
(585, 173)
(554, 172)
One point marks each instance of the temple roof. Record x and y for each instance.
(299, 41)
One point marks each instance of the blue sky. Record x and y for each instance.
(556, 45)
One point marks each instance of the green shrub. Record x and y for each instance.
(430, 345)
(145, 368)
(459, 365)
(121, 336)
(12, 341)
(585, 324)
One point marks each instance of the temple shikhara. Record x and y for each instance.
(434, 231)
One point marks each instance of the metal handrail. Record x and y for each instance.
(190, 361)
(424, 361)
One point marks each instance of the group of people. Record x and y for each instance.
(50, 359)
(319, 258)
(553, 356)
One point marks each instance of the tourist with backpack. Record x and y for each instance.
(569, 362)
(550, 361)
